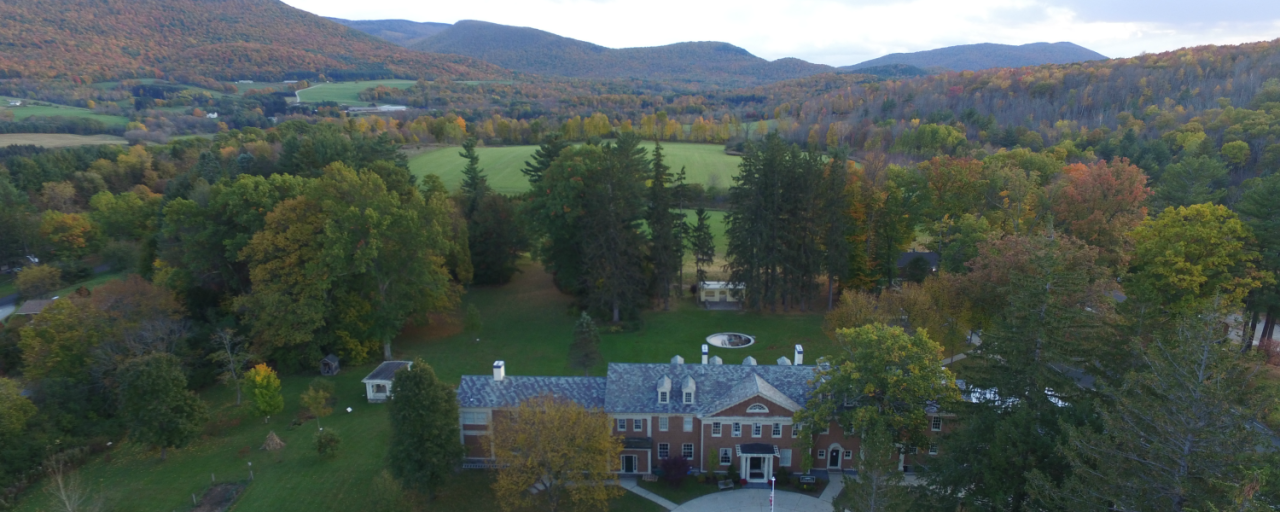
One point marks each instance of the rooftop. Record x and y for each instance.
(485, 391)
(386, 371)
(33, 307)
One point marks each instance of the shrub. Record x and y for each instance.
(38, 281)
(323, 384)
(675, 469)
(328, 442)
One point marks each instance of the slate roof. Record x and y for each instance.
(756, 449)
(483, 391)
(33, 307)
(386, 371)
(632, 387)
(905, 258)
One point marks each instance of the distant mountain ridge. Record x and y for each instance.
(975, 57)
(400, 32)
(535, 51)
(98, 40)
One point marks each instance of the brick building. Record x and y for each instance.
(713, 414)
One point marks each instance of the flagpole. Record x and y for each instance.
(772, 485)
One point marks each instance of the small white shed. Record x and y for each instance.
(377, 386)
(720, 291)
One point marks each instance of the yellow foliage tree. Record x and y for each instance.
(562, 447)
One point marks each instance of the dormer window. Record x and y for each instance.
(688, 389)
(663, 396)
(664, 390)
(757, 408)
(688, 397)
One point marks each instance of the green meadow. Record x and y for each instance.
(704, 163)
(50, 110)
(346, 92)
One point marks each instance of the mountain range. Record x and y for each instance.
(99, 40)
(976, 57)
(400, 32)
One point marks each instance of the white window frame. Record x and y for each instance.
(726, 457)
(637, 425)
(664, 450)
(933, 448)
(686, 451)
(756, 430)
(777, 430)
(737, 429)
(663, 396)
(484, 418)
(688, 397)
(822, 455)
(936, 424)
(688, 423)
(848, 454)
(662, 423)
(784, 457)
(622, 425)
(754, 408)
(715, 429)
(827, 429)
(795, 431)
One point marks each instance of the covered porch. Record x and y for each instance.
(755, 461)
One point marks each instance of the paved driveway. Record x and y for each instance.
(754, 500)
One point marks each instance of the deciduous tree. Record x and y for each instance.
(38, 281)
(424, 448)
(1100, 203)
(566, 450)
(156, 405)
(264, 387)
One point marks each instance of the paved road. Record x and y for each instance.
(7, 305)
(754, 500)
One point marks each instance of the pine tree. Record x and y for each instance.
(494, 237)
(612, 244)
(703, 244)
(666, 250)
(547, 153)
(835, 222)
(424, 448)
(474, 184)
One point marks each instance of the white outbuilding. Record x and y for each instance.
(377, 386)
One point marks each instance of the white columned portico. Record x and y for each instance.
(755, 462)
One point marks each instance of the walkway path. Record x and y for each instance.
(833, 488)
(631, 485)
(754, 500)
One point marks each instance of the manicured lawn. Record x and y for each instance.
(343, 92)
(704, 163)
(688, 490)
(90, 283)
(8, 286)
(527, 323)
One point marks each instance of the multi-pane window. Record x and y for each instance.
(848, 454)
(795, 431)
(688, 423)
(777, 430)
(622, 425)
(475, 418)
(686, 451)
(662, 423)
(756, 430)
(822, 454)
(664, 450)
(936, 425)
(737, 430)
(663, 396)
(933, 449)
(785, 455)
(715, 429)
(726, 457)
(637, 425)
(688, 397)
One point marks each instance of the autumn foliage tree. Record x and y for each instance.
(1099, 203)
(562, 447)
(264, 387)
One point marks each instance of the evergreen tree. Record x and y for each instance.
(424, 448)
(156, 405)
(474, 184)
(666, 250)
(584, 353)
(703, 244)
(546, 154)
(1194, 180)
(835, 236)
(879, 486)
(494, 236)
(1260, 210)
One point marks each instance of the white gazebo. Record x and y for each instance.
(377, 386)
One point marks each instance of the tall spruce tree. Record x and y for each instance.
(666, 250)
(703, 244)
(773, 225)
(474, 183)
(835, 221)
(584, 353)
(495, 238)
(424, 448)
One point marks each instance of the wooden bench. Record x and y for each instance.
(725, 484)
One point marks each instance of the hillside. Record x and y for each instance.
(401, 32)
(539, 52)
(986, 56)
(221, 39)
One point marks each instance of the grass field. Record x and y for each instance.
(527, 323)
(50, 110)
(704, 163)
(347, 92)
(57, 140)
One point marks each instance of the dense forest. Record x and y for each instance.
(193, 39)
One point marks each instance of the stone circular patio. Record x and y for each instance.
(754, 500)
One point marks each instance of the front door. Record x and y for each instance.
(755, 468)
(628, 463)
(833, 458)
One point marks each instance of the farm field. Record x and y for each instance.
(527, 323)
(49, 110)
(57, 140)
(704, 163)
(346, 92)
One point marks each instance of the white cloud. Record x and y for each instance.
(836, 32)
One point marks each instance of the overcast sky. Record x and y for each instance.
(843, 32)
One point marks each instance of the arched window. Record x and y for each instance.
(757, 408)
